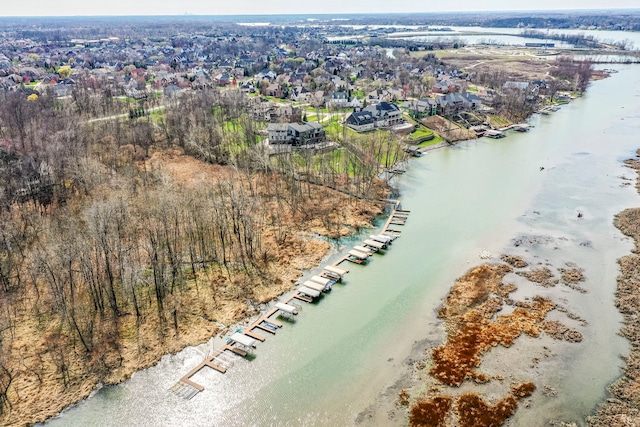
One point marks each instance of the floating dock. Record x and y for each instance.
(241, 343)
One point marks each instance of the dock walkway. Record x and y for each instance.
(223, 358)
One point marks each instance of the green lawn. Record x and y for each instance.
(499, 121)
(436, 140)
(157, 115)
(419, 133)
(232, 126)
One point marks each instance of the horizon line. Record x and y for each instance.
(187, 14)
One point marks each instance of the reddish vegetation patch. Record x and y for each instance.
(470, 311)
(559, 331)
(469, 308)
(523, 390)
(460, 355)
(514, 260)
(540, 275)
(472, 289)
(473, 411)
(431, 412)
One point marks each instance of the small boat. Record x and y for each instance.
(326, 282)
(495, 134)
(269, 326)
(331, 275)
(364, 250)
(358, 254)
(382, 238)
(314, 285)
(312, 293)
(286, 308)
(355, 259)
(373, 244)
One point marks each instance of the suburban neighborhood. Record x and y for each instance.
(299, 85)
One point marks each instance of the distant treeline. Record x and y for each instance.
(577, 40)
(96, 27)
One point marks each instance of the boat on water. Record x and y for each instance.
(324, 281)
(313, 285)
(373, 245)
(495, 134)
(334, 272)
(357, 257)
(364, 250)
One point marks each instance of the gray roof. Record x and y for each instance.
(278, 127)
(305, 126)
(360, 118)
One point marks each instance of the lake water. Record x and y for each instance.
(497, 36)
(601, 35)
(470, 38)
(341, 353)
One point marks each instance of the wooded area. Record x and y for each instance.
(126, 238)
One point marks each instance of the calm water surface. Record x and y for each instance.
(333, 362)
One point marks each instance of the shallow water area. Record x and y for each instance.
(342, 352)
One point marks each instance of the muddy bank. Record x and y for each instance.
(623, 408)
(454, 385)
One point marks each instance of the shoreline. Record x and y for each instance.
(623, 407)
(89, 392)
(620, 402)
(326, 249)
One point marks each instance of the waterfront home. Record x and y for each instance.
(385, 114)
(360, 121)
(296, 134)
(421, 108)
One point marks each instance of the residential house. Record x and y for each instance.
(444, 86)
(531, 90)
(317, 98)
(260, 108)
(276, 90)
(473, 100)
(307, 133)
(296, 134)
(223, 79)
(266, 74)
(421, 108)
(279, 133)
(385, 114)
(452, 103)
(339, 100)
(171, 90)
(285, 114)
(384, 95)
(300, 94)
(247, 87)
(361, 121)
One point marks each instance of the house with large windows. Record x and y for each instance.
(296, 134)
(360, 121)
(385, 114)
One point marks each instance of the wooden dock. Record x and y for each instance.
(222, 359)
(186, 388)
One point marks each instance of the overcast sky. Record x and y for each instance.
(253, 7)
